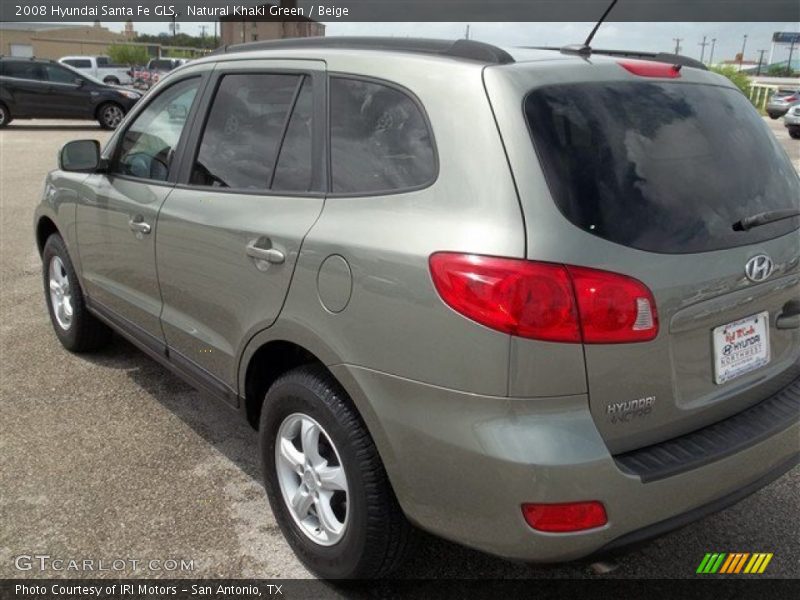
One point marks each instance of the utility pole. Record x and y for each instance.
(174, 26)
(466, 34)
(789, 63)
(703, 45)
(677, 45)
(760, 60)
(711, 56)
(741, 56)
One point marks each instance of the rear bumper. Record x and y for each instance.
(462, 465)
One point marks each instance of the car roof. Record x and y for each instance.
(461, 50)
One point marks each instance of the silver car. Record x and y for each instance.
(540, 303)
(792, 121)
(781, 101)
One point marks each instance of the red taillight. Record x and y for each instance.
(569, 516)
(614, 308)
(523, 298)
(647, 68)
(545, 301)
(790, 99)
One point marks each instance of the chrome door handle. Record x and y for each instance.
(271, 255)
(138, 225)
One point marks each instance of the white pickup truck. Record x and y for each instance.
(99, 67)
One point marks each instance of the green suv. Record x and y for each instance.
(540, 303)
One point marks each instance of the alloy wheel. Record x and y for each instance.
(60, 293)
(312, 479)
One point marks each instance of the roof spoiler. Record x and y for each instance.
(665, 57)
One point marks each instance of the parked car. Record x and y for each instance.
(551, 319)
(43, 89)
(99, 67)
(781, 101)
(792, 121)
(149, 75)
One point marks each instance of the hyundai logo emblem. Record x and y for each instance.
(758, 268)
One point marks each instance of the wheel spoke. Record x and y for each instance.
(291, 455)
(67, 307)
(301, 502)
(309, 436)
(54, 286)
(332, 478)
(327, 519)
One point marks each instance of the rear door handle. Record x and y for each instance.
(271, 255)
(138, 225)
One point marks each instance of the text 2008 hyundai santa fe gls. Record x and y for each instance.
(538, 303)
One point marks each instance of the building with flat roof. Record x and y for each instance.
(52, 40)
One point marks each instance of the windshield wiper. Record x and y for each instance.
(765, 218)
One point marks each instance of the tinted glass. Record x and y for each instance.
(79, 63)
(148, 145)
(664, 167)
(59, 75)
(293, 172)
(23, 70)
(243, 131)
(102, 61)
(379, 139)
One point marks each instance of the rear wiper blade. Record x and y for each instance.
(765, 217)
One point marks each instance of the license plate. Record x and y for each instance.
(740, 347)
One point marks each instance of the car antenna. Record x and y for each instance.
(585, 49)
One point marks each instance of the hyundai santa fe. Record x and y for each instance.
(542, 303)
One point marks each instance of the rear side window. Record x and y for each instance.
(102, 61)
(380, 141)
(79, 63)
(244, 131)
(663, 167)
(23, 70)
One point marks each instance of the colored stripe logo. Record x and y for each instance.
(734, 563)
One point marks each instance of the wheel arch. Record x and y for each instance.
(285, 345)
(45, 227)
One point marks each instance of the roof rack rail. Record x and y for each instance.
(665, 57)
(462, 49)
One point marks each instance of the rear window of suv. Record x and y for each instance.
(662, 167)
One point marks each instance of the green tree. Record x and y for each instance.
(739, 79)
(127, 54)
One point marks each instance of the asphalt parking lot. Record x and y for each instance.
(112, 457)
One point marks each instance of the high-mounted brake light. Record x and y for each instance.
(562, 518)
(545, 301)
(648, 68)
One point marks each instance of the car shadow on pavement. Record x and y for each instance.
(435, 558)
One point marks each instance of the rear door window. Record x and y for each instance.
(244, 130)
(663, 167)
(79, 63)
(380, 141)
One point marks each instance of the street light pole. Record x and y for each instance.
(741, 56)
(703, 45)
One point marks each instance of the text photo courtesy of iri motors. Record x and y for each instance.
(295, 295)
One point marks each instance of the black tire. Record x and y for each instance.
(111, 81)
(85, 333)
(5, 115)
(377, 534)
(774, 116)
(109, 115)
(794, 133)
